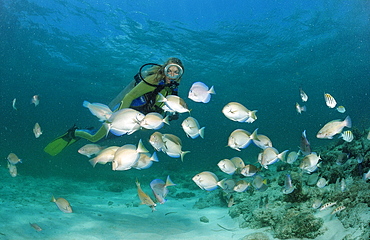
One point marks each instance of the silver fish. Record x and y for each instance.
(206, 180)
(300, 108)
(127, 155)
(13, 159)
(199, 92)
(145, 161)
(227, 166)
(262, 142)
(227, 185)
(106, 155)
(154, 121)
(341, 109)
(269, 156)
(35, 100)
(237, 112)
(259, 183)
(191, 128)
(322, 182)
(99, 110)
(160, 190)
(238, 162)
(173, 146)
(156, 140)
(62, 204)
(241, 186)
(309, 162)
(288, 186)
(173, 103)
(334, 127)
(144, 198)
(37, 130)
(90, 149)
(292, 157)
(12, 170)
(303, 95)
(126, 120)
(329, 100)
(249, 170)
(241, 138)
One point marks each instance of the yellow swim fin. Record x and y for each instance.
(61, 142)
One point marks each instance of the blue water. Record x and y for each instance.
(258, 53)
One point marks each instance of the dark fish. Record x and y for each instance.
(305, 146)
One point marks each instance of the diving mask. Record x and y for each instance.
(173, 71)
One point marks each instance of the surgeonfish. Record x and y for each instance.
(126, 120)
(154, 120)
(341, 109)
(303, 95)
(241, 186)
(329, 100)
(292, 157)
(156, 140)
(300, 108)
(13, 159)
(37, 130)
(309, 163)
(159, 188)
(199, 92)
(288, 186)
(347, 136)
(206, 180)
(249, 170)
(191, 128)
(12, 170)
(227, 185)
(269, 156)
(90, 149)
(237, 112)
(173, 103)
(35, 100)
(105, 156)
(62, 204)
(334, 127)
(227, 166)
(259, 183)
(322, 182)
(173, 146)
(144, 198)
(238, 163)
(304, 146)
(262, 141)
(241, 138)
(145, 161)
(127, 155)
(99, 110)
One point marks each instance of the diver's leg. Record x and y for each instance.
(92, 137)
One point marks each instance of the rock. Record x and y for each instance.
(204, 219)
(256, 236)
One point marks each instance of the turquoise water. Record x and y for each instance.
(258, 54)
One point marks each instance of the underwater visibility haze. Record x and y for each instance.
(261, 54)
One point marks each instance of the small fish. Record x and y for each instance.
(329, 100)
(270, 156)
(322, 182)
(227, 185)
(35, 100)
(237, 112)
(341, 109)
(309, 163)
(99, 110)
(262, 141)
(173, 103)
(316, 204)
(305, 146)
(241, 186)
(341, 158)
(160, 190)
(62, 204)
(241, 138)
(303, 95)
(13, 159)
(12, 170)
(156, 140)
(124, 121)
(206, 180)
(106, 155)
(227, 166)
(37, 130)
(145, 161)
(230, 202)
(343, 185)
(154, 121)
(191, 128)
(126, 156)
(90, 149)
(36, 227)
(259, 183)
(338, 209)
(173, 146)
(292, 157)
(14, 101)
(347, 136)
(334, 127)
(288, 186)
(199, 92)
(238, 162)
(249, 170)
(327, 205)
(300, 108)
(144, 198)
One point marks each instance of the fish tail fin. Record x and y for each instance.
(348, 122)
(253, 136)
(169, 182)
(166, 120)
(161, 98)
(212, 90)
(154, 157)
(93, 161)
(201, 132)
(183, 154)
(141, 148)
(253, 114)
(281, 155)
(137, 183)
(53, 199)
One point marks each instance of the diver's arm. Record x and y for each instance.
(136, 92)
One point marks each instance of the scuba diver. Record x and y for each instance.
(141, 94)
